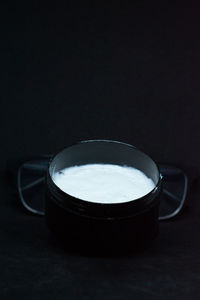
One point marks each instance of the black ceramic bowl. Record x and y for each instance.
(81, 224)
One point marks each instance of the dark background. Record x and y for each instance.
(83, 71)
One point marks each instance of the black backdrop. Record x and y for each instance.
(83, 71)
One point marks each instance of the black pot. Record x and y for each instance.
(84, 225)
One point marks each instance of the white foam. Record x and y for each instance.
(103, 183)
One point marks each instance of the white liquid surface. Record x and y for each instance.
(103, 183)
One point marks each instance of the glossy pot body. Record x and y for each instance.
(90, 226)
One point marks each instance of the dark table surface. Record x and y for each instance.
(76, 72)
